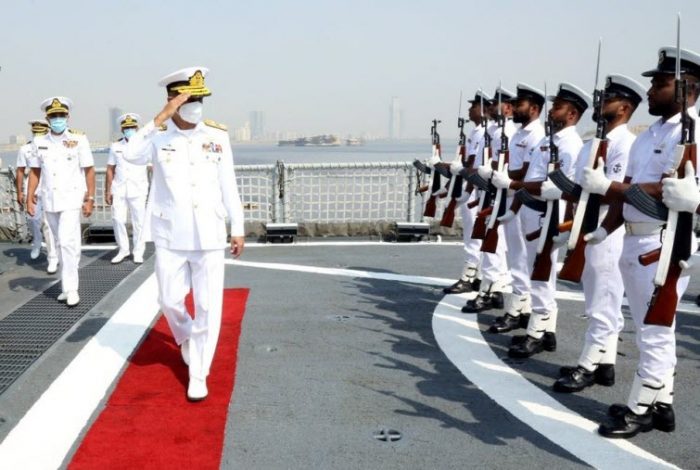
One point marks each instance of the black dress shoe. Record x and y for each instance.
(505, 323)
(662, 415)
(549, 341)
(461, 287)
(627, 424)
(603, 375)
(483, 302)
(526, 348)
(578, 379)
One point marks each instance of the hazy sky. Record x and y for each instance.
(318, 66)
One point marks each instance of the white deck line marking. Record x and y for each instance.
(684, 307)
(460, 339)
(56, 419)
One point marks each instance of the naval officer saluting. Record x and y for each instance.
(126, 186)
(63, 168)
(193, 190)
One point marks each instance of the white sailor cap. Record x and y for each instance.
(128, 120)
(621, 86)
(39, 125)
(505, 95)
(478, 96)
(690, 62)
(574, 95)
(188, 80)
(527, 92)
(55, 105)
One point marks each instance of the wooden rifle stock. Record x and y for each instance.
(490, 243)
(532, 236)
(542, 268)
(575, 259)
(664, 301)
(479, 230)
(472, 204)
(650, 258)
(430, 206)
(448, 217)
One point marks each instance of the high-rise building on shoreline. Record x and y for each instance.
(395, 118)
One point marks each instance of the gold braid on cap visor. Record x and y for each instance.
(56, 107)
(194, 87)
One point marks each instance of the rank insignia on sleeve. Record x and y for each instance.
(617, 168)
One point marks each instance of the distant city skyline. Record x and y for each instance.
(326, 67)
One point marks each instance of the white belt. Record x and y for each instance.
(643, 228)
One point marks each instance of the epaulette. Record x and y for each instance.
(76, 132)
(215, 125)
(163, 127)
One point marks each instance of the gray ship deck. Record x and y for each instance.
(341, 341)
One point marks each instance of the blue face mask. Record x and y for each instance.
(58, 124)
(128, 133)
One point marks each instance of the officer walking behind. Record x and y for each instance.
(568, 106)
(651, 157)
(527, 107)
(37, 221)
(193, 189)
(601, 278)
(63, 167)
(126, 187)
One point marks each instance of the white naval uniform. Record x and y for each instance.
(193, 190)
(129, 190)
(40, 228)
(521, 144)
(472, 247)
(544, 307)
(494, 266)
(601, 278)
(651, 156)
(62, 189)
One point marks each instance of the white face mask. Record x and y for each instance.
(191, 112)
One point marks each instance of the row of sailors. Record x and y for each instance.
(126, 188)
(612, 267)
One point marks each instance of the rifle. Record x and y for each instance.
(677, 241)
(434, 185)
(499, 208)
(485, 209)
(587, 213)
(455, 190)
(542, 267)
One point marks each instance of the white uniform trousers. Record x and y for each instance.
(544, 306)
(137, 209)
(203, 271)
(603, 290)
(494, 269)
(66, 227)
(41, 231)
(517, 253)
(657, 344)
(471, 246)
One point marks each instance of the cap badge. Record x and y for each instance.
(608, 82)
(197, 80)
(662, 57)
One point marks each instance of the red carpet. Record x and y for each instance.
(148, 422)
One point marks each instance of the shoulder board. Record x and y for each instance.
(163, 127)
(215, 125)
(76, 132)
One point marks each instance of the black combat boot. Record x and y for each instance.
(603, 375)
(576, 380)
(549, 341)
(462, 286)
(526, 348)
(484, 301)
(627, 424)
(505, 324)
(662, 415)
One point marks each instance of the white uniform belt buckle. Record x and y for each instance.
(643, 228)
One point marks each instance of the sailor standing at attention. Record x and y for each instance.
(126, 186)
(37, 221)
(193, 190)
(649, 404)
(601, 277)
(63, 167)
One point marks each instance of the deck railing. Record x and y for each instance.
(302, 193)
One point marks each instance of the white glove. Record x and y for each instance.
(501, 180)
(690, 266)
(456, 166)
(549, 191)
(485, 171)
(595, 181)
(682, 194)
(596, 236)
(507, 217)
(561, 239)
(434, 159)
